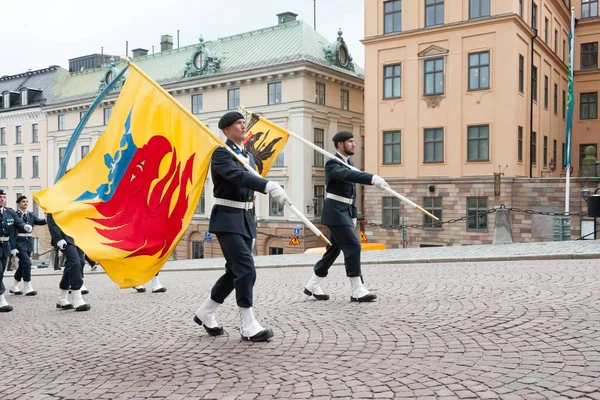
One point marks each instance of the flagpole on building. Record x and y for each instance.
(328, 154)
(569, 120)
(297, 212)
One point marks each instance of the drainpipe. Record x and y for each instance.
(531, 104)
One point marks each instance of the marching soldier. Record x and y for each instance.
(10, 222)
(339, 214)
(157, 287)
(73, 272)
(232, 221)
(24, 244)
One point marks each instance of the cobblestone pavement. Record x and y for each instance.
(510, 330)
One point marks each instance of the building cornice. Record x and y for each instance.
(22, 116)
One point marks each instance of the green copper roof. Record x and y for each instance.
(276, 45)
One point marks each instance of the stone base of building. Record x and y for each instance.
(538, 198)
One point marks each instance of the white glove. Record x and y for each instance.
(379, 182)
(14, 252)
(275, 190)
(62, 244)
(253, 243)
(354, 222)
(27, 228)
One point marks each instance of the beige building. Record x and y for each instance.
(22, 140)
(450, 89)
(288, 73)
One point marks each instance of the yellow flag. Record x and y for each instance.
(264, 140)
(129, 201)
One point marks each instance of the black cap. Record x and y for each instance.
(229, 118)
(341, 136)
(2, 192)
(21, 198)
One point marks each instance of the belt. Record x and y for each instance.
(24, 234)
(341, 199)
(242, 205)
(4, 239)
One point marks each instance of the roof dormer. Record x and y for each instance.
(337, 53)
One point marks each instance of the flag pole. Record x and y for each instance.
(297, 212)
(77, 132)
(388, 189)
(569, 121)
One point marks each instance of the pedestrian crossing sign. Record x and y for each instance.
(363, 238)
(295, 241)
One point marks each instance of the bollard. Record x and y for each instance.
(502, 228)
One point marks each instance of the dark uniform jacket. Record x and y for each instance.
(56, 233)
(341, 180)
(10, 222)
(25, 243)
(233, 182)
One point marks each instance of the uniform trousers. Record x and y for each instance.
(240, 273)
(4, 261)
(24, 269)
(342, 238)
(73, 273)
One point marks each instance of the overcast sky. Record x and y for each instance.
(35, 34)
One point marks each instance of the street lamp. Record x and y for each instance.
(585, 192)
(315, 202)
(552, 165)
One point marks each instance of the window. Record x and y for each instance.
(589, 55)
(18, 134)
(555, 99)
(564, 51)
(546, 22)
(320, 94)
(534, 83)
(85, 151)
(18, 167)
(533, 148)
(3, 136)
(521, 8)
(280, 160)
(201, 206)
(320, 142)
(521, 74)
(478, 140)
(479, 8)
(197, 249)
(196, 104)
(564, 151)
(556, 41)
(274, 93)
(534, 16)
(520, 145)
(588, 104)
(390, 214)
(36, 210)
(345, 100)
(434, 12)
(434, 145)
(319, 192)
(434, 206)
(61, 154)
(479, 70)
(477, 216)
(61, 122)
(35, 166)
(589, 8)
(233, 99)
(392, 16)
(564, 104)
(392, 81)
(545, 91)
(273, 251)
(554, 150)
(35, 133)
(81, 114)
(3, 167)
(545, 154)
(107, 112)
(434, 76)
(275, 209)
(392, 147)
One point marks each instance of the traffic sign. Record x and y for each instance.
(363, 238)
(295, 241)
(207, 237)
(296, 231)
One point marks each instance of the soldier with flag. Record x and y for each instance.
(232, 221)
(24, 244)
(340, 215)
